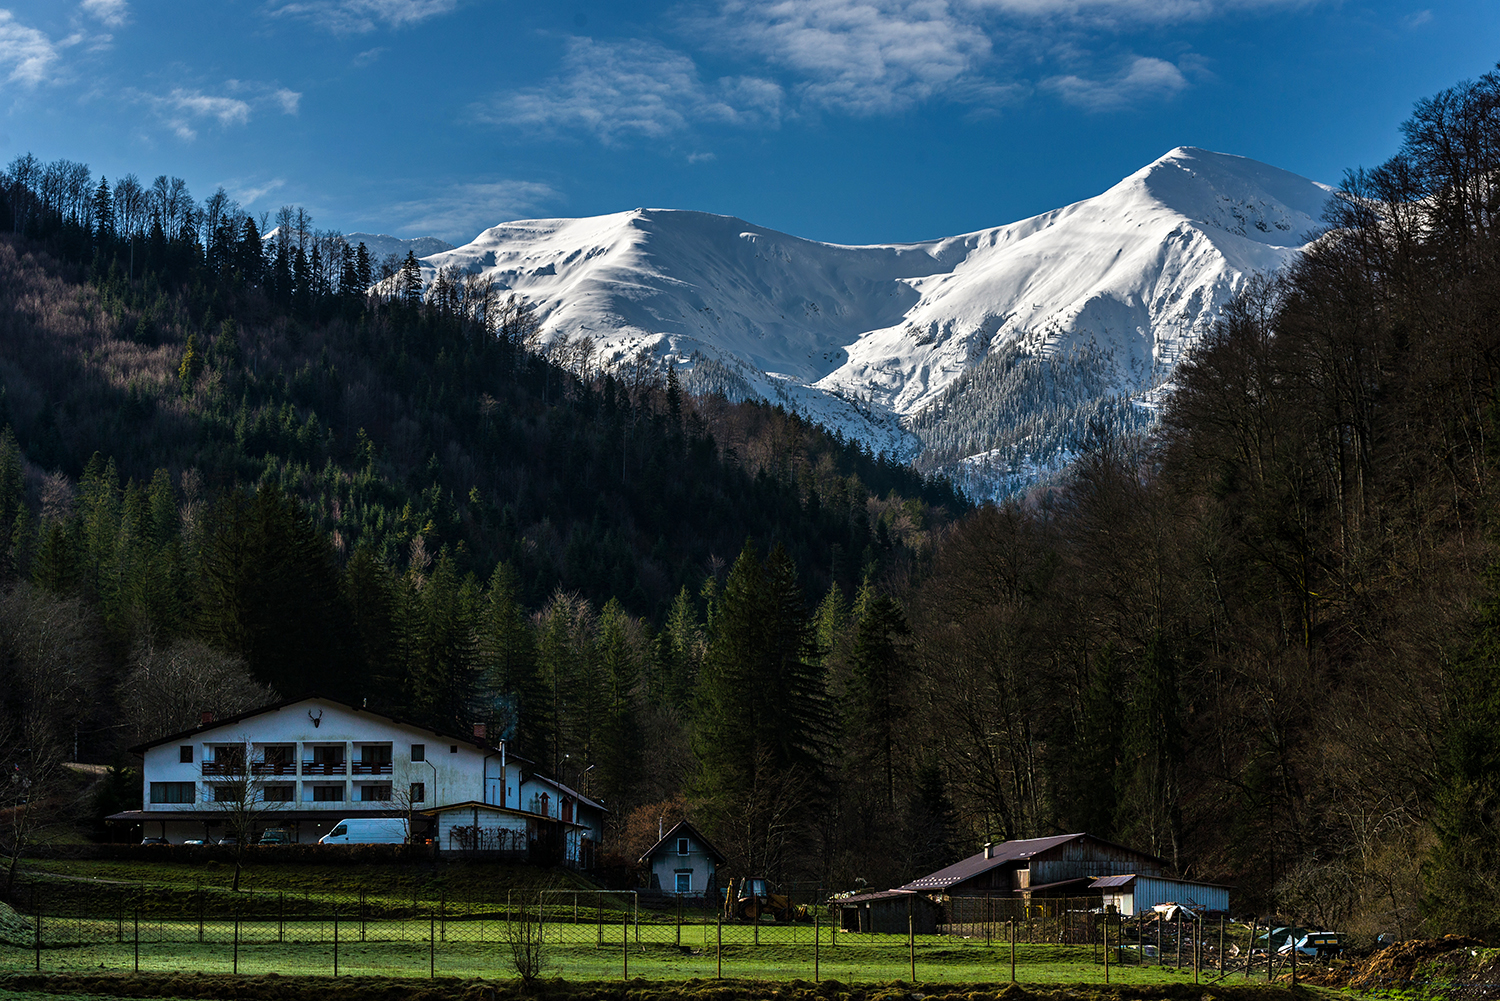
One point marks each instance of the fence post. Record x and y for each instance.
(362, 914)
(281, 916)
(625, 947)
(443, 915)
(1179, 939)
(1292, 941)
(200, 910)
(1222, 957)
(1197, 948)
(599, 917)
(36, 917)
(719, 951)
(335, 941)
(911, 939)
(757, 922)
(1012, 924)
(432, 941)
(816, 938)
(236, 936)
(1105, 936)
(138, 938)
(679, 920)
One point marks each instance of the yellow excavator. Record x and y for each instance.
(755, 898)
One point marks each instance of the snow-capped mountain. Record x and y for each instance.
(979, 354)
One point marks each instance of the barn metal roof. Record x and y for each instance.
(1108, 882)
(1001, 854)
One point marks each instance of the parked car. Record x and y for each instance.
(227, 841)
(274, 836)
(154, 841)
(196, 842)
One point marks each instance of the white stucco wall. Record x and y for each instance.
(452, 771)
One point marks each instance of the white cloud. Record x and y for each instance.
(110, 13)
(1118, 12)
(1145, 78)
(185, 109)
(249, 194)
(637, 88)
(460, 211)
(359, 16)
(701, 157)
(1416, 19)
(861, 56)
(29, 54)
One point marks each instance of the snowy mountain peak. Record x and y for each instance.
(967, 353)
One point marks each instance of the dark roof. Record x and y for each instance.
(270, 818)
(471, 804)
(284, 703)
(865, 898)
(570, 791)
(975, 865)
(684, 826)
(1002, 854)
(1106, 882)
(1078, 881)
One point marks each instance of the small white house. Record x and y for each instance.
(553, 824)
(1137, 894)
(308, 763)
(684, 862)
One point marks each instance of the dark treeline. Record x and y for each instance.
(1260, 643)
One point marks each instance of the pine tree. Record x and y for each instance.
(877, 703)
(410, 281)
(1460, 871)
(508, 665)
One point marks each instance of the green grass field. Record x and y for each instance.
(450, 919)
(581, 951)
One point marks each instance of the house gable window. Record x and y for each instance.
(185, 754)
(419, 752)
(682, 846)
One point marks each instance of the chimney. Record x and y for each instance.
(479, 731)
(989, 849)
(205, 717)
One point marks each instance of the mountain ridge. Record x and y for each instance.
(866, 339)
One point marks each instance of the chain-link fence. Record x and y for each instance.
(417, 930)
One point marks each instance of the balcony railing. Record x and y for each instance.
(223, 767)
(372, 768)
(273, 767)
(323, 768)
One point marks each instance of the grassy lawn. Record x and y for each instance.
(477, 948)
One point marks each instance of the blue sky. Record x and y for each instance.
(852, 121)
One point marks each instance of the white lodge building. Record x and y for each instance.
(305, 764)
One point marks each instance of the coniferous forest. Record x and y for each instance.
(1261, 640)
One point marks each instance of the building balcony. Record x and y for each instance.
(273, 767)
(223, 768)
(323, 768)
(372, 768)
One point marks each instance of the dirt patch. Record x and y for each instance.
(271, 987)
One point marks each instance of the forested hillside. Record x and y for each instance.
(1260, 642)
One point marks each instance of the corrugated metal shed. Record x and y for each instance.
(1136, 894)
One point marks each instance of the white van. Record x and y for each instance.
(366, 831)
